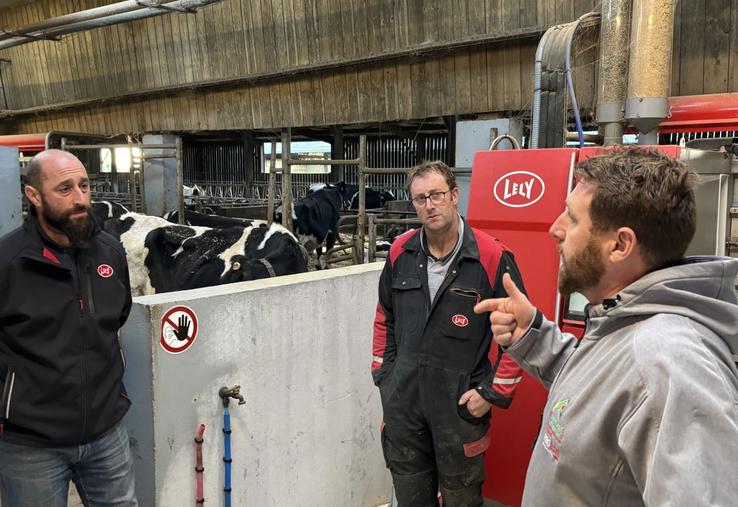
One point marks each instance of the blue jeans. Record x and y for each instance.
(102, 470)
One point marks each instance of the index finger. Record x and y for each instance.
(490, 305)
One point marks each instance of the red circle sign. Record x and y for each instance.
(178, 329)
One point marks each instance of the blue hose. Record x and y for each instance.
(227, 454)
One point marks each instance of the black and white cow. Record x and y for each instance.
(374, 198)
(205, 220)
(163, 257)
(350, 193)
(315, 219)
(105, 210)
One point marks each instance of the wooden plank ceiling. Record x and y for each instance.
(266, 64)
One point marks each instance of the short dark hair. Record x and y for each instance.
(649, 192)
(33, 172)
(426, 167)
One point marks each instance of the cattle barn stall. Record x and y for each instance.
(235, 170)
(109, 181)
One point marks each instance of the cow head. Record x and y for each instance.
(244, 269)
(117, 227)
(240, 270)
(106, 210)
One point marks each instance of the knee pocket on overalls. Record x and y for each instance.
(463, 465)
(471, 472)
(394, 456)
(402, 455)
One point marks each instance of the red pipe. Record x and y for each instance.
(199, 468)
(701, 113)
(25, 142)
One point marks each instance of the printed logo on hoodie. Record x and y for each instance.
(555, 429)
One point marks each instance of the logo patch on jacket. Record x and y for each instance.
(555, 429)
(460, 320)
(105, 271)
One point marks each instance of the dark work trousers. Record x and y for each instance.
(429, 441)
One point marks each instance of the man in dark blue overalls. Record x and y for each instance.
(430, 350)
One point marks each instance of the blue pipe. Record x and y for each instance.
(227, 454)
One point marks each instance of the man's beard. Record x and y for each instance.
(78, 231)
(582, 271)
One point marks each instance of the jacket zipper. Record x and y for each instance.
(448, 279)
(5, 398)
(90, 295)
(7, 394)
(83, 367)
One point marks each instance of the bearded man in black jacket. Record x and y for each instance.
(66, 295)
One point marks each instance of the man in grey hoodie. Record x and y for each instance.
(644, 409)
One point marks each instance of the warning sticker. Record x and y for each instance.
(178, 329)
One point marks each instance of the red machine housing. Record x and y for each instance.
(515, 196)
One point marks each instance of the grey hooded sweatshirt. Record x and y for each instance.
(644, 409)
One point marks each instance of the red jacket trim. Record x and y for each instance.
(397, 246)
(379, 343)
(50, 255)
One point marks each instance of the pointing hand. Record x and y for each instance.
(510, 316)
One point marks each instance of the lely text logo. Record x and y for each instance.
(518, 189)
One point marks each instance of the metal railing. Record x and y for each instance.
(136, 188)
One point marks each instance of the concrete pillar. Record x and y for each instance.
(160, 177)
(10, 191)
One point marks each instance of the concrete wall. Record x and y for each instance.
(10, 191)
(300, 347)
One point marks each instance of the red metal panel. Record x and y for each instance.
(25, 142)
(575, 327)
(516, 195)
(592, 151)
(701, 113)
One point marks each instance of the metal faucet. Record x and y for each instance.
(226, 393)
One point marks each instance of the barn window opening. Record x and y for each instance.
(300, 150)
(125, 159)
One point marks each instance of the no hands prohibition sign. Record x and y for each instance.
(178, 329)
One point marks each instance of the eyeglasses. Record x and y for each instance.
(435, 197)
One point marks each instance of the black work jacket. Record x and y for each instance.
(61, 365)
(411, 332)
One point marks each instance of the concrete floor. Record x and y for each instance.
(74, 500)
(487, 503)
